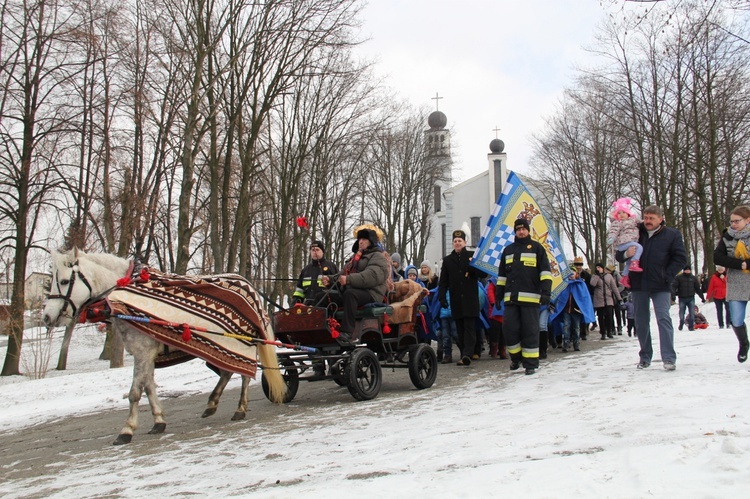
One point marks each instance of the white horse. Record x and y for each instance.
(77, 278)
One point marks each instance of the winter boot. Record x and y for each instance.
(566, 346)
(494, 347)
(741, 333)
(577, 346)
(625, 281)
(604, 337)
(635, 266)
(504, 352)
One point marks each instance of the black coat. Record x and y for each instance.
(687, 286)
(663, 257)
(462, 280)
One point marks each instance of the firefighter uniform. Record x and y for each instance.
(524, 282)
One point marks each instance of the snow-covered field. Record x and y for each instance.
(588, 424)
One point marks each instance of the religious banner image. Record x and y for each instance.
(516, 202)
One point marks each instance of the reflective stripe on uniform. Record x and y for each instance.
(514, 348)
(530, 353)
(299, 293)
(501, 280)
(528, 259)
(522, 297)
(546, 275)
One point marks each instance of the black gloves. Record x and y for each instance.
(544, 300)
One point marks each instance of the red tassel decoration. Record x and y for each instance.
(333, 324)
(302, 223)
(122, 282)
(145, 276)
(386, 326)
(186, 333)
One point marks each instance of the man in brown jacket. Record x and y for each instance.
(363, 279)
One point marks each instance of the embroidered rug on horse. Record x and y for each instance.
(211, 306)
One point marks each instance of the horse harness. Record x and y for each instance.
(66, 297)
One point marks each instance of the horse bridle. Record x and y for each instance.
(66, 297)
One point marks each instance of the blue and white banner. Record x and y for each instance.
(516, 202)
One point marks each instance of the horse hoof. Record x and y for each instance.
(122, 439)
(158, 428)
(238, 416)
(208, 412)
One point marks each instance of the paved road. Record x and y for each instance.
(37, 450)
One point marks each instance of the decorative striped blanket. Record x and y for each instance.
(219, 304)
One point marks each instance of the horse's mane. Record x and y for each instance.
(110, 267)
(103, 259)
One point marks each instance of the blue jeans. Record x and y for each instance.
(688, 303)
(661, 301)
(737, 312)
(543, 318)
(448, 335)
(571, 326)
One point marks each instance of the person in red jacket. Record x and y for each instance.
(717, 291)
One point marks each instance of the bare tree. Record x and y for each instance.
(34, 64)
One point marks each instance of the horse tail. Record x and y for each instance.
(270, 363)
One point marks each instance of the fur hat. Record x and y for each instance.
(687, 267)
(459, 234)
(318, 244)
(622, 204)
(521, 222)
(368, 234)
(599, 264)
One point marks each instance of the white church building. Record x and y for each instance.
(467, 204)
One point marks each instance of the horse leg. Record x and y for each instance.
(239, 414)
(144, 351)
(156, 410)
(213, 399)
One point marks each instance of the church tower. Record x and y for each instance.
(438, 153)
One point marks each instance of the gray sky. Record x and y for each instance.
(497, 63)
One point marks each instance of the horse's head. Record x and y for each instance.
(69, 290)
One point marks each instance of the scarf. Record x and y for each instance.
(741, 243)
(351, 265)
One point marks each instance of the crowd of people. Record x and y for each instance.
(513, 316)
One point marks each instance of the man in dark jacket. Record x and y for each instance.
(363, 279)
(686, 286)
(310, 288)
(461, 279)
(663, 256)
(524, 281)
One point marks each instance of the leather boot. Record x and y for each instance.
(504, 352)
(741, 333)
(494, 347)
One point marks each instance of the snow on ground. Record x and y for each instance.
(587, 425)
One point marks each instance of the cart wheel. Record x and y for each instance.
(338, 374)
(364, 374)
(423, 365)
(291, 377)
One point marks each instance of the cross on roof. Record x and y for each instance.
(496, 129)
(437, 101)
